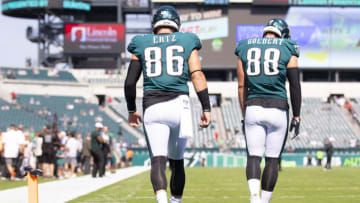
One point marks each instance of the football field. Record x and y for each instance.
(210, 185)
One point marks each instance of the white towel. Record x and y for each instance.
(186, 130)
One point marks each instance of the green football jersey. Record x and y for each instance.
(265, 61)
(164, 59)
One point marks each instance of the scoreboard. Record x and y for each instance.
(94, 39)
(10, 5)
(307, 2)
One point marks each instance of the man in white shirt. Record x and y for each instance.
(13, 142)
(70, 160)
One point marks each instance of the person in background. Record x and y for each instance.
(106, 146)
(19, 161)
(63, 137)
(60, 161)
(12, 147)
(37, 149)
(129, 156)
(123, 156)
(49, 155)
(329, 149)
(79, 141)
(96, 152)
(309, 158)
(85, 154)
(319, 157)
(28, 154)
(2, 161)
(115, 148)
(203, 158)
(13, 97)
(71, 149)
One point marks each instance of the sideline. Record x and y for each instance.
(65, 190)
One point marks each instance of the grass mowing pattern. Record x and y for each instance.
(210, 185)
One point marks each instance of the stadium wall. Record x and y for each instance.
(309, 89)
(226, 89)
(231, 160)
(47, 88)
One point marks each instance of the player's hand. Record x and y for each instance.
(205, 119)
(295, 124)
(135, 119)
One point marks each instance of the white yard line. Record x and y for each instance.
(65, 190)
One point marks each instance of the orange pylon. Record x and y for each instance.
(33, 193)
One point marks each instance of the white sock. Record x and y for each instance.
(174, 199)
(254, 187)
(265, 196)
(161, 197)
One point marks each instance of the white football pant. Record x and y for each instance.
(265, 127)
(162, 124)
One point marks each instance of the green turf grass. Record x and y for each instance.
(210, 185)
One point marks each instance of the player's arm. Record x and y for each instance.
(133, 75)
(200, 85)
(295, 92)
(242, 86)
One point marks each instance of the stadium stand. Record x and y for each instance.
(36, 74)
(12, 114)
(320, 121)
(232, 120)
(353, 107)
(100, 76)
(105, 80)
(73, 113)
(203, 137)
(356, 105)
(118, 106)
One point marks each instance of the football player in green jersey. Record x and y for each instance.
(167, 59)
(264, 64)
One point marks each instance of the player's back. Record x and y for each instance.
(164, 59)
(265, 61)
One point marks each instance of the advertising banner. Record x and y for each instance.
(95, 39)
(300, 34)
(211, 24)
(207, 29)
(331, 36)
(328, 37)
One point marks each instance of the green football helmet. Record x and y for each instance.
(279, 27)
(166, 16)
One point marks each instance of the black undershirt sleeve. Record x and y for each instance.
(295, 90)
(204, 100)
(132, 77)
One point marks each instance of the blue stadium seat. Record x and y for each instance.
(33, 74)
